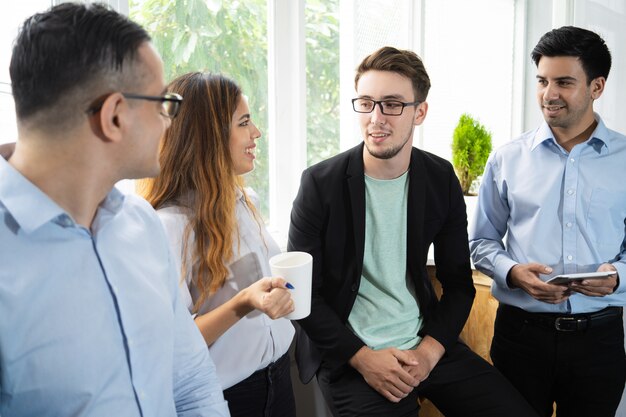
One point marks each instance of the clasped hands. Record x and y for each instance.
(394, 373)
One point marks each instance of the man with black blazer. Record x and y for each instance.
(377, 336)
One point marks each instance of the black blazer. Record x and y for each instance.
(328, 221)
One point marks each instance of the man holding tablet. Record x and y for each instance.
(558, 195)
(578, 277)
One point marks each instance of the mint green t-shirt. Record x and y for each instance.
(386, 313)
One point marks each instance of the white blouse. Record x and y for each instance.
(255, 341)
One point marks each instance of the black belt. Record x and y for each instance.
(563, 322)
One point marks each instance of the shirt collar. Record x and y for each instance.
(29, 206)
(32, 208)
(239, 194)
(600, 137)
(113, 202)
(108, 209)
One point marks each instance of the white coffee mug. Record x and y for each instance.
(296, 268)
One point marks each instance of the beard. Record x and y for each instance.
(388, 152)
(571, 116)
(565, 121)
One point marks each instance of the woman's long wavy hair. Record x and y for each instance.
(197, 173)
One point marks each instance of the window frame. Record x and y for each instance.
(287, 101)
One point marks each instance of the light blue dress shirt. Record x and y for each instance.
(565, 210)
(90, 321)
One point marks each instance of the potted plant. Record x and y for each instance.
(471, 146)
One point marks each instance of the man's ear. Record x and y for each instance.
(6, 150)
(420, 113)
(597, 87)
(110, 116)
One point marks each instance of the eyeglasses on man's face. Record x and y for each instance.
(170, 103)
(387, 107)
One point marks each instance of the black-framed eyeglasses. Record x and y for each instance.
(387, 107)
(170, 103)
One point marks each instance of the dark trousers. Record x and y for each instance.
(582, 369)
(265, 393)
(461, 385)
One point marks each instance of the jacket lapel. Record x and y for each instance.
(356, 188)
(415, 209)
(416, 253)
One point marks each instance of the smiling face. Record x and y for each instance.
(565, 98)
(387, 136)
(243, 134)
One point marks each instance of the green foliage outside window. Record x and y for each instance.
(322, 77)
(230, 37)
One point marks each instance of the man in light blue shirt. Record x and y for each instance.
(90, 320)
(554, 202)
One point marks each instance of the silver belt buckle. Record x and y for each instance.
(563, 320)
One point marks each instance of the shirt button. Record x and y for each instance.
(354, 287)
(570, 257)
(568, 224)
(570, 191)
(572, 160)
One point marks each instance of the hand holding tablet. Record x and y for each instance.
(567, 278)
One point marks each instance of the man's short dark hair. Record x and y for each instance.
(403, 62)
(67, 56)
(583, 44)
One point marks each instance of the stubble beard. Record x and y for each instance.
(570, 118)
(387, 153)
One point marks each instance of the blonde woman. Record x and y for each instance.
(223, 246)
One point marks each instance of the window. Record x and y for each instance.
(9, 24)
(295, 60)
(217, 36)
(471, 69)
(322, 79)
(236, 39)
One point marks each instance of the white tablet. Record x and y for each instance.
(565, 278)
